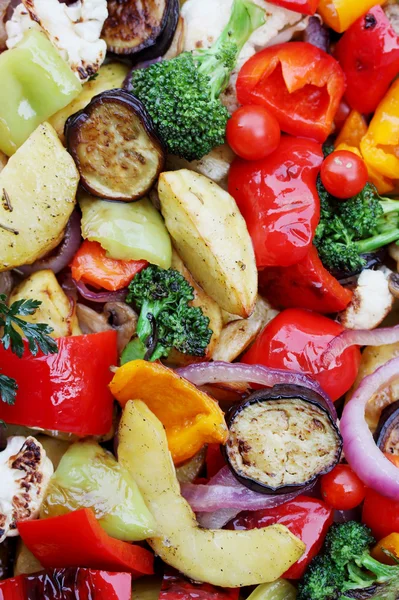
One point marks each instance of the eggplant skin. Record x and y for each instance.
(115, 146)
(281, 439)
(387, 432)
(144, 29)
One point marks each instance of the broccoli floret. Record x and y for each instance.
(345, 569)
(182, 94)
(166, 318)
(348, 229)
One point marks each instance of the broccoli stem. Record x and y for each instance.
(218, 61)
(377, 241)
(382, 572)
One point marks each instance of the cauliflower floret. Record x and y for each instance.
(74, 30)
(204, 21)
(371, 301)
(25, 472)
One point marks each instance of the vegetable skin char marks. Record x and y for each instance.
(281, 438)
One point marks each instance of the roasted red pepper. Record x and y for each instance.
(68, 584)
(214, 460)
(296, 340)
(368, 53)
(177, 587)
(67, 391)
(77, 540)
(278, 199)
(307, 518)
(299, 83)
(304, 285)
(306, 7)
(381, 514)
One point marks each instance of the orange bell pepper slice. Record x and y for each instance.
(91, 265)
(191, 418)
(389, 543)
(340, 14)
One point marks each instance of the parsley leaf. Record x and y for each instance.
(8, 389)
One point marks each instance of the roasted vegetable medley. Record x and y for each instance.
(199, 286)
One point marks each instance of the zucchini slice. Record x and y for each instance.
(145, 28)
(281, 439)
(116, 150)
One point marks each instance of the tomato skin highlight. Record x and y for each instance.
(252, 132)
(278, 199)
(381, 514)
(298, 83)
(342, 489)
(307, 518)
(295, 340)
(305, 7)
(343, 174)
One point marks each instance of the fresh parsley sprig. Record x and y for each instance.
(36, 334)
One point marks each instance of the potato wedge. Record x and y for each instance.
(56, 309)
(109, 76)
(211, 237)
(220, 557)
(209, 308)
(237, 335)
(38, 186)
(372, 358)
(25, 563)
(214, 165)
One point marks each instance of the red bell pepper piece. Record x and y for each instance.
(306, 7)
(368, 52)
(67, 584)
(304, 285)
(92, 265)
(299, 83)
(77, 540)
(214, 460)
(381, 514)
(67, 391)
(278, 199)
(307, 518)
(177, 587)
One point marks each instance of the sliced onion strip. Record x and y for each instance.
(359, 337)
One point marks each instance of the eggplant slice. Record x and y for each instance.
(281, 439)
(115, 147)
(387, 433)
(144, 29)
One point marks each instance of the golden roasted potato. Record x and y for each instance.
(220, 557)
(55, 310)
(25, 563)
(237, 335)
(211, 237)
(372, 358)
(215, 165)
(208, 306)
(109, 76)
(38, 186)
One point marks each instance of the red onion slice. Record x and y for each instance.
(360, 449)
(224, 497)
(222, 372)
(61, 256)
(359, 337)
(100, 295)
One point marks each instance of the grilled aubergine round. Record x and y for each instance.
(387, 432)
(281, 439)
(115, 147)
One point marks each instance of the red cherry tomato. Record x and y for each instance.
(342, 489)
(343, 174)
(381, 514)
(295, 340)
(253, 132)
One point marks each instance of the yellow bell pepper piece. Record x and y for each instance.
(383, 184)
(353, 130)
(380, 145)
(191, 418)
(340, 14)
(389, 543)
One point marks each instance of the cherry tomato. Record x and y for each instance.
(342, 489)
(296, 340)
(381, 514)
(253, 132)
(343, 174)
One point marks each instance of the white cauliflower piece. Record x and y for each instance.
(25, 472)
(371, 301)
(74, 30)
(204, 21)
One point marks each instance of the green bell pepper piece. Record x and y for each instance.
(90, 477)
(36, 82)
